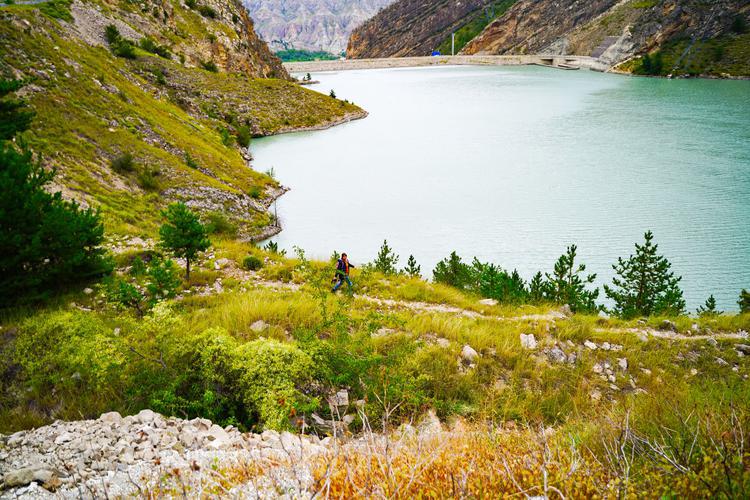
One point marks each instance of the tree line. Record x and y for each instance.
(644, 284)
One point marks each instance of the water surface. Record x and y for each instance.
(511, 164)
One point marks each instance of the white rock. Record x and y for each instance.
(590, 345)
(623, 362)
(606, 346)
(442, 342)
(598, 368)
(88, 291)
(528, 341)
(468, 354)
(488, 302)
(259, 326)
(111, 417)
(146, 416)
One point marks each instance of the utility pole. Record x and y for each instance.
(453, 43)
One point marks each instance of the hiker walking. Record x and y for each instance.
(342, 272)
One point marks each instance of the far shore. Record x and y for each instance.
(555, 61)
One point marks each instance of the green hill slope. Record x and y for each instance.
(181, 124)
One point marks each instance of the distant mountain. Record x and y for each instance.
(657, 37)
(310, 24)
(413, 27)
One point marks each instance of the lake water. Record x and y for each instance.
(512, 164)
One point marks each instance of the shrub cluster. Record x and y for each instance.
(121, 47)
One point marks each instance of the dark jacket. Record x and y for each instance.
(342, 269)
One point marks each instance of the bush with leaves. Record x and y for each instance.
(744, 301)
(149, 45)
(412, 269)
(244, 136)
(210, 66)
(252, 263)
(453, 271)
(645, 285)
(123, 163)
(494, 282)
(161, 283)
(183, 234)
(15, 116)
(45, 241)
(218, 223)
(386, 260)
(567, 284)
(121, 47)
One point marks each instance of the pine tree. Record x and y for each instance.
(644, 284)
(412, 269)
(386, 260)
(537, 288)
(452, 271)
(709, 308)
(15, 117)
(45, 241)
(183, 234)
(744, 301)
(566, 285)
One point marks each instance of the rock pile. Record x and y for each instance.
(117, 455)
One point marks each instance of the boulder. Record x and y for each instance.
(557, 355)
(590, 345)
(468, 354)
(340, 399)
(259, 326)
(41, 474)
(146, 416)
(623, 363)
(488, 302)
(743, 348)
(442, 342)
(721, 362)
(218, 438)
(528, 341)
(667, 325)
(111, 417)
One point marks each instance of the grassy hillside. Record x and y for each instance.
(182, 125)
(261, 349)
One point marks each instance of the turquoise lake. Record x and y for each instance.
(512, 164)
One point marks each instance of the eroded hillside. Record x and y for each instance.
(411, 28)
(169, 119)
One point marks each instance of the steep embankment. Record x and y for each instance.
(692, 36)
(412, 27)
(311, 24)
(130, 134)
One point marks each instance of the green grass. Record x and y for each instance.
(83, 123)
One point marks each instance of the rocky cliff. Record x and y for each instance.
(311, 24)
(166, 118)
(411, 27)
(618, 30)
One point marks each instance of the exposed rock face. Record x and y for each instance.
(536, 26)
(229, 41)
(410, 28)
(311, 24)
(612, 30)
